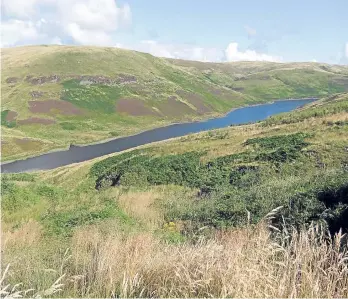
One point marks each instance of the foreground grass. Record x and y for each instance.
(240, 263)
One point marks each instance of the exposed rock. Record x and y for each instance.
(42, 80)
(36, 94)
(10, 80)
(126, 79)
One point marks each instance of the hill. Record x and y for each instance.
(54, 96)
(228, 212)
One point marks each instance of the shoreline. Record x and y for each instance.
(199, 120)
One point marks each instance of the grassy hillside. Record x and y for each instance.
(56, 95)
(226, 213)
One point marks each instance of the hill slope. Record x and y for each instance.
(53, 96)
(155, 221)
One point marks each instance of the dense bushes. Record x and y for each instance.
(279, 148)
(137, 168)
(234, 186)
(301, 198)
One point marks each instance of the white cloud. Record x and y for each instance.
(314, 60)
(88, 36)
(15, 31)
(346, 50)
(233, 54)
(188, 52)
(83, 21)
(19, 8)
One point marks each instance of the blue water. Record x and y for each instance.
(82, 153)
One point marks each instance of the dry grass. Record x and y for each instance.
(141, 206)
(27, 235)
(239, 263)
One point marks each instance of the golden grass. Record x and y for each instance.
(27, 235)
(141, 206)
(240, 263)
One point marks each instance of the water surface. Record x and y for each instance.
(82, 153)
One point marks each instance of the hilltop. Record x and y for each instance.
(214, 214)
(54, 96)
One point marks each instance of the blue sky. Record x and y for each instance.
(220, 30)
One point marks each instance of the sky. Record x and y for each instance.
(204, 30)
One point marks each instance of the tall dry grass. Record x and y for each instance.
(240, 263)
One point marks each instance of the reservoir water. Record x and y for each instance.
(83, 153)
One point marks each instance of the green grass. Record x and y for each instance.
(96, 98)
(326, 106)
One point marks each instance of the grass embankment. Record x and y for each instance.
(238, 212)
(56, 95)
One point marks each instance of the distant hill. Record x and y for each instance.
(58, 95)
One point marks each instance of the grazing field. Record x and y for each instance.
(257, 210)
(54, 96)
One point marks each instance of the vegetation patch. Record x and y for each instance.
(63, 222)
(70, 126)
(27, 144)
(93, 97)
(8, 118)
(297, 202)
(327, 106)
(280, 148)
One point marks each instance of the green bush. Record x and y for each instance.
(305, 199)
(4, 122)
(63, 222)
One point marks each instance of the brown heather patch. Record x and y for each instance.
(36, 120)
(11, 116)
(46, 107)
(173, 107)
(134, 107)
(196, 100)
